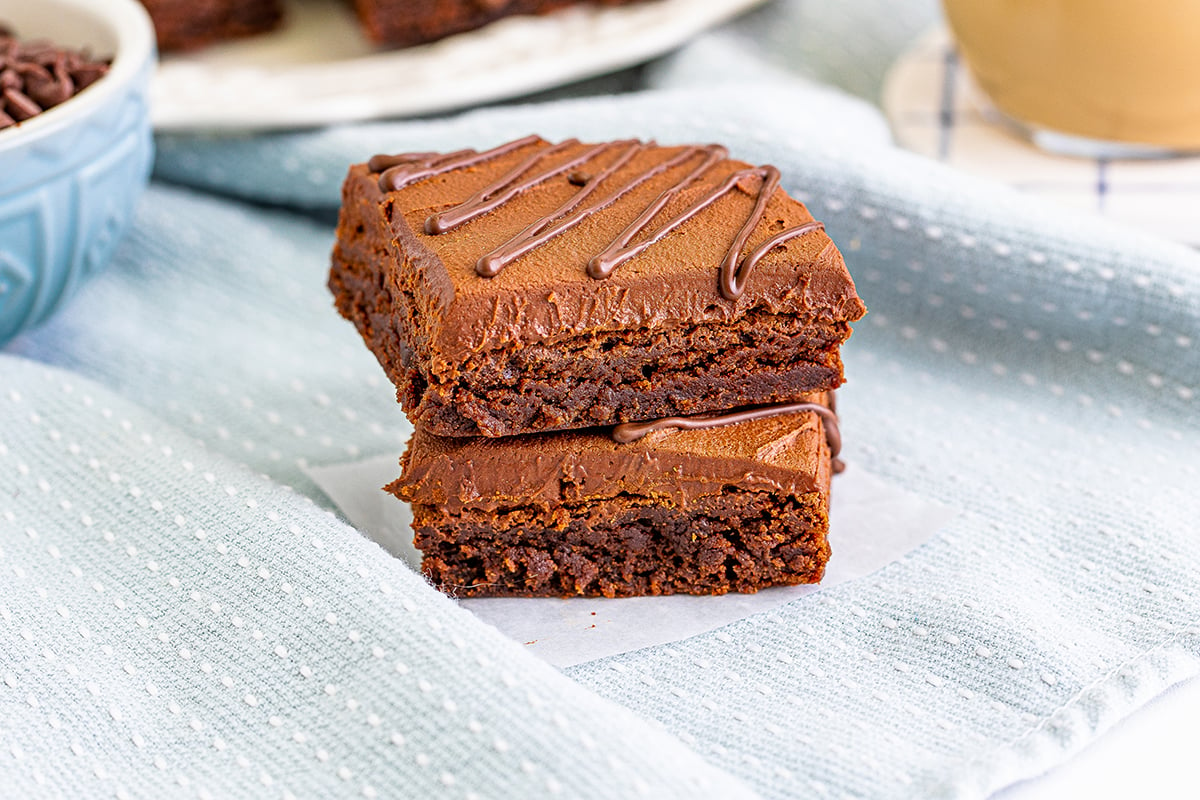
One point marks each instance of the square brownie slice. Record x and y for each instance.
(706, 511)
(538, 286)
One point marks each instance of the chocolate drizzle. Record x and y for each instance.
(508, 187)
(408, 168)
(619, 251)
(632, 431)
(570, 213)
(403, 170)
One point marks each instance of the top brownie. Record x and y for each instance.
(540, 286)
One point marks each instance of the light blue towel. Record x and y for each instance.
(182, 617)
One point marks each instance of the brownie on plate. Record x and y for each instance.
(408, 22)
(539, 286)
(709, 510)
(187, 24)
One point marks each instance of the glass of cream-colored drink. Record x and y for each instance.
(1119, 77)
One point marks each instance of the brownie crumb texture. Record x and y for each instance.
(623, 547)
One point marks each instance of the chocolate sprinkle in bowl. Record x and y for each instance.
(75, 145)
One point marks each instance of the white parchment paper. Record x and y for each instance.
(872, 523)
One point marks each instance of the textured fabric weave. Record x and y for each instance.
(182, 616)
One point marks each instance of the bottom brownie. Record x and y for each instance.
(733, 508)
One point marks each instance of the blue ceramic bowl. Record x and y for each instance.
(70, 177)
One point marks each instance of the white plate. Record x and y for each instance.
(319, 69)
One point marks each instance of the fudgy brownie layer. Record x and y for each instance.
(739, 541)
(595, 379)
(187, 24)
(408, 22)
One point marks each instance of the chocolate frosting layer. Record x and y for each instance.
(784, 454)
(536, 217)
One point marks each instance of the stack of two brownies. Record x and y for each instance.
(619, 360)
